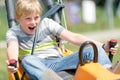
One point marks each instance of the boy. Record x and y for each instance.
(20, 40)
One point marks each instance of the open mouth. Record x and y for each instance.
(31, 28)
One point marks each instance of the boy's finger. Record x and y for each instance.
(12, 69)
(7, 62)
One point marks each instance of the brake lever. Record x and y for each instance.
(112, 44)
(13, 62)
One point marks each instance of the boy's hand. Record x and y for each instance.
(112, 50)
(11, 69)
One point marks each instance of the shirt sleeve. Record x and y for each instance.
(54, 27)
(11, 36)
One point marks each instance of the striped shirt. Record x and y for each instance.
(45, 42)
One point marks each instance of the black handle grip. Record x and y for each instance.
(112, 43)
(13, 62)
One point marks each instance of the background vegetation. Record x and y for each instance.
(3, 23)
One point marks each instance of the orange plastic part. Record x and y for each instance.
(94, 71)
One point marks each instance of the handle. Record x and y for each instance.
(94, 48)
(112, 43)
(13, 62)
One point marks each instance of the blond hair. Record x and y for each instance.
(27, 7)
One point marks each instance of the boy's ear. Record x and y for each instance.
(17, 18)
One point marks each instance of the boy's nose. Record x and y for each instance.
(33, 22)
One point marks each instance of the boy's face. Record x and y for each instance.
(29, 22)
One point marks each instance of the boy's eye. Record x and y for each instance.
(36, 17)
(27, 18)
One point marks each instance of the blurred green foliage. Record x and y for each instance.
(3, 68)
(3, 23)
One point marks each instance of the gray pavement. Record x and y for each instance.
(99, 36)
(104, 35)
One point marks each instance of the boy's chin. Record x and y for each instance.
(30, 33)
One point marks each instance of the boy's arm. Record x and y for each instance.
(12, 53)
(78, 39)
(12, 50)
(75, 38)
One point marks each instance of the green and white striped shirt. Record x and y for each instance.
(45, 41)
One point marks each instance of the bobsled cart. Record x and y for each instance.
(85, 71)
